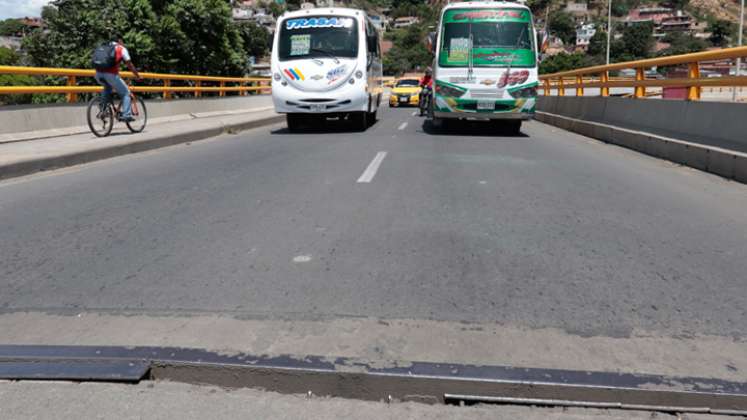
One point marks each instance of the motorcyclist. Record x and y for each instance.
(426, 84)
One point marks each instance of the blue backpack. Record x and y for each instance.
(104, 56)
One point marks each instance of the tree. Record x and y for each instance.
(563, 62)
(408, 52)
(562, 25)
(168, 36)
(598, 43)
(637, 42)
(721, 31)
(256, 39)
(200, 37)
(680, 43)
(9, 57)
(10, 27)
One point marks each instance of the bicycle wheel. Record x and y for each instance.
(100, 117)
(140, 114)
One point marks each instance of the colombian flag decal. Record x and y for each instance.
(294, 74)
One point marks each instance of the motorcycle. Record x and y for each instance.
(424, 101)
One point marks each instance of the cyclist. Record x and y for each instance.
(109, 77)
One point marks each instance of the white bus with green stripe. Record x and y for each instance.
(486, 63)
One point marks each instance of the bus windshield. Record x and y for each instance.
(318, 37)
(494, 37)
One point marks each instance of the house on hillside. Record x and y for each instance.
(584, 33)
(579, 11)
(405, 21)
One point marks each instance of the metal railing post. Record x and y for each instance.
(222, 86)
(640, 91)
(166, 92)
(71, 96)
(547, 87)
(198, 92)
(693, 72)
(605, 78)
(579, 85)
(561, 87)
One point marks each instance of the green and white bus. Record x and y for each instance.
(486, 63)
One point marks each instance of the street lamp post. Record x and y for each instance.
(609, 27)
(738, 70)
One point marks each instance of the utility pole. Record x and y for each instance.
(609, 28)
(738, 70)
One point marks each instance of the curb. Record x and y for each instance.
(722, 162)
(28, 167)
(434, 383)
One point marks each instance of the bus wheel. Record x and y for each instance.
(372, 118)
(513, 127)
(294, 122)
(359, 120)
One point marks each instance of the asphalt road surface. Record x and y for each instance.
(543, 230)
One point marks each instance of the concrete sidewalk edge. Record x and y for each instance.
(722, 162)
(27, 167)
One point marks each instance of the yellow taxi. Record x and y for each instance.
(405, 92)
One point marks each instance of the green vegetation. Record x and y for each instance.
(8, 57)
(721, 31)
(177, 36)
(10, 27)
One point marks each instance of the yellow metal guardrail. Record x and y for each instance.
(224, 84)
(579, 79)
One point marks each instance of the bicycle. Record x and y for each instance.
(101, 114)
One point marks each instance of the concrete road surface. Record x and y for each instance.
(543, 233)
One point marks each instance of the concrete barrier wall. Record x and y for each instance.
(39, 118)
(719, 124)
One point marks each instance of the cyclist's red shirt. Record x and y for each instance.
(426, 81)
(120, 54)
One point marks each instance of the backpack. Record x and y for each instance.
(104, 56)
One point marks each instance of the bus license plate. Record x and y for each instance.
(404, 99)
(486, 105)
(318, 108)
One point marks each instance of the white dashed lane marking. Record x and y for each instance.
(370, 171)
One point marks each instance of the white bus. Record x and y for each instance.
(485, 63)
(326, 63)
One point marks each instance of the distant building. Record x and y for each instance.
(680, 22)
(579, 10)
(403, 22)
(242, 14)
(307, 5)
(584, 33)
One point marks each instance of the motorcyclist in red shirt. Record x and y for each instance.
(426, 83)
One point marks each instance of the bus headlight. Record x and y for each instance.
(359, 74)
(530, 92)
(450, 91)
(276, 76)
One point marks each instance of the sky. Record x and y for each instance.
(21, 8)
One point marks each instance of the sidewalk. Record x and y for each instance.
(29, 156)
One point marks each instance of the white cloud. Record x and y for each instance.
(21, 8)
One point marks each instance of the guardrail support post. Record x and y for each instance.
(166, 93)
(243, 85)
(640, 91)
(547, 87)
(693, 72)
(579, 85)
(72, 96)
(561, 87)
(198, 85)
(222, 86)
(605, 78)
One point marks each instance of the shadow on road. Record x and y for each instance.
(330, 126)
(472, 129)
